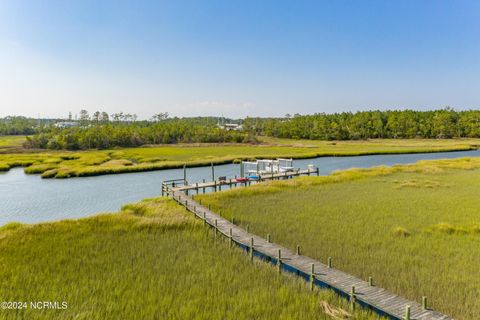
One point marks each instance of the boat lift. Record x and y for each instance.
(254, 169)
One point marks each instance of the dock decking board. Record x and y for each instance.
(377, 298)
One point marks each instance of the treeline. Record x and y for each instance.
(14, 125)
(444, 123)
(121, 134)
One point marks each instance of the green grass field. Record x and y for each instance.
(64, 164)
(415, 228)
(153, 260)
(11, 142)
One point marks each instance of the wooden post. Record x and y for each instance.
(312, 275)
(216, 228)
(185, 174)
(251, 249)
(329, 264)
(279, 261)
(268, 237)
(213, 172)
(204, 218)
(230, 238)
(352, 298)
(424, 303)
(407, 312)
(233, 220)
(370, 281)
(298, 250)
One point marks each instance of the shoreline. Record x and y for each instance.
(98, 170)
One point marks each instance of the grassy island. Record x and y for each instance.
(66, 164)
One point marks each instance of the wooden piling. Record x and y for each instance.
(230, 238)
(312, 275)
(370, 281)
(329, 263)
(424, 303)
(251, 249)
(407, 312)
(213, 172)
(298, 250)
(352, 298)
(185, 174)
(279, 261)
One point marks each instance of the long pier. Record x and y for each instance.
(357, 291)
(181, 184)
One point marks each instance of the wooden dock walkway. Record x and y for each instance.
(378, 299)
(218, 185)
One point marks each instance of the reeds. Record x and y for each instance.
(153, 260)
(418, 240)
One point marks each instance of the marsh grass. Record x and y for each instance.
(51, 164)
(11, 141)
(152, 260)
(422, 239)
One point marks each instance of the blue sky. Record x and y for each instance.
(237, 58)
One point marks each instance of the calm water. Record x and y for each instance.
(28, 198)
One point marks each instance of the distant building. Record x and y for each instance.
(66, 124)
(231, 126)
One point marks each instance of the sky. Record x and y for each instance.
(237, 58)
